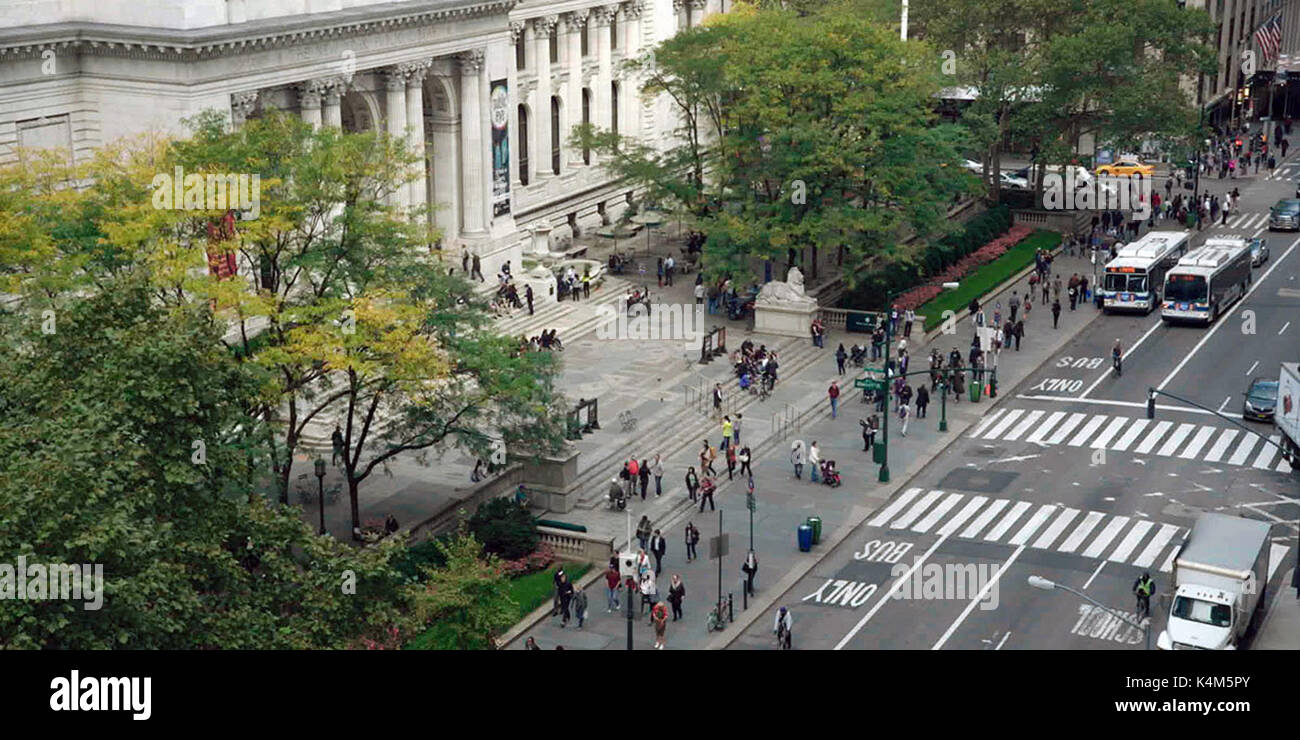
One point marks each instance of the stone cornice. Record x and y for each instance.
(190, 45)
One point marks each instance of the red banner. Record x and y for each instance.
(222, 263)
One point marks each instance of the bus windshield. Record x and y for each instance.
(1119, 282)
(1185, 289)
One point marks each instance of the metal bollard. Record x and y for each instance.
(731, 608)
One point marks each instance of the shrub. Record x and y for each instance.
(505, 529)
(422, 555)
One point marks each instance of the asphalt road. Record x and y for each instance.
(1068, 480)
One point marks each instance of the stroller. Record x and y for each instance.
(617, 497)
(858, 355)
(829, 476)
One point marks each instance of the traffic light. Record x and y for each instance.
(750, 503)
(1151, 405)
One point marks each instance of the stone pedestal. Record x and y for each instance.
(553, 476)
(784, 320)
(543, 282)
(540, 244)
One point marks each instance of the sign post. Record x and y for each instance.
(718, 547)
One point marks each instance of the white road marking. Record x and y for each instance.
(1176, 439)
(1103, 402)
(1225, 403)
(1252, 367)
(1130, 543)
(1131, 435)
(1168, 565)
(888, 596)
(1123, 357)
(1152, 551)
(984, 518)
(1107, 534)
(1198, 442)
(1221, 446)
(1267, 452)
(1031, 526)
(935, 515)
(1258, 282)
(1002, 425)
(889, 511)
(1003, 641)
(1275, 555)
(1023, 426)
(1243, 449)
(917, 509)
(1016, 458)
(1100, 565)
(1081, 532)
(1110, 431)
(1088, 429)
(1046, 426)
(1007, 521)
(1057, 527)
(967, 512)
(1151, 440)
(986, 421)
(978, 597)
(1284, 326)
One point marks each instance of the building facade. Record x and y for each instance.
(486, 90)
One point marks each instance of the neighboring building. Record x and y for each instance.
(1230, 88)
(76, 74)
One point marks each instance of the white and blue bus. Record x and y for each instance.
(1207, 281)
(1133, 280)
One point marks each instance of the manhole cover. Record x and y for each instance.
(981, 481)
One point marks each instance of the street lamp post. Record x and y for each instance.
(320, 485)
(1047, 585)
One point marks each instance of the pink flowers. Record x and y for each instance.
(919, 295)
(539, 559)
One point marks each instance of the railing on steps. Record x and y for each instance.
(577, 546)
(785, 421)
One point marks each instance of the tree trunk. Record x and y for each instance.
(356, 511)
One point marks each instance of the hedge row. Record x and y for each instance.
(874, 290)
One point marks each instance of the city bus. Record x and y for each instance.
(1133, 279)
(1207, 281)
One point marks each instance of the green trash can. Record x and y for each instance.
(975, 391)
(816, 524)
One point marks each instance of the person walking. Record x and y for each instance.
(531, 644)
(922, 400)
(657, 470)
(478, 270)
(692, 483)
(565, 592)
(528, 296)
(692, 541)
(707, 456)
(735, 429)
(659, 618)
(612, 584)
(717, 399)
(676, 592)
(337, 440)
(1014, 304)
(833, 393)
(904, 415)
(909, 316)
(797, 457)
(743, 458)
(727, 428)
(731, 463)
(649, 591)
(706, 494)
(643, 472)
(1056, 312)
(658, 547)
(643, 531)
(1019, 333)
(840, 356)
(750, 569)
(579, 605)
(814, 459)
(868, 433)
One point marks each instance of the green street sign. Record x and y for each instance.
(750, 503)
(869, 384)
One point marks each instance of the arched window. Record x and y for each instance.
(555, 135)
(523, 145)
(613, 106)
(586, 119)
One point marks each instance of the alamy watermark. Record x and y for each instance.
(1088, 193)
(47, 582)
(209, 192)
(650, 321)
(956, 581)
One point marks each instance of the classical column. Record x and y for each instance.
(473, 188)
(333, 89)
(630, 89)
(679, 13)
(415, 72)
(395, 114)
(309, 103)
(600, 98)
(544, 27)
(697, 11)
(242, 105)
(572, 113)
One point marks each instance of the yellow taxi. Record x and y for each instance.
(1126, 167)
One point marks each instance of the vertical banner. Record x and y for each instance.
(221, 259)
(499, 102)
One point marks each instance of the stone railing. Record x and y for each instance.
(1064, 222)
(577, 546)
(838, 318)
(504, 484)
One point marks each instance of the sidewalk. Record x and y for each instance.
(1281, 628)
(783, 502)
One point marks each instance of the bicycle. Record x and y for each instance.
(1143, 606)
(627, 420)
(717, 620)
(783, 638)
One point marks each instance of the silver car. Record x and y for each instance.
(1258, 252)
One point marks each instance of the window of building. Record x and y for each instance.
(582, 34)
(555, 135)
(586, 119)
(553, 45)
(52, 133)
(523, 145)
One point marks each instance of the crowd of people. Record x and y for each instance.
(755, 368)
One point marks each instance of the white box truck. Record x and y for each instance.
(1220, 574)
(1286, 415)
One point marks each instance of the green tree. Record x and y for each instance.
(505, 529)
(468, 600)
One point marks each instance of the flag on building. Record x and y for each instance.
(1269, 37)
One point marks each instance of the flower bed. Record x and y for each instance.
(539, 559)
(920, 295)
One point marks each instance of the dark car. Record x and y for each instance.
(1261, 400)
(1285, 214)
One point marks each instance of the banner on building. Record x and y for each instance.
(222, 261)
(499, 102)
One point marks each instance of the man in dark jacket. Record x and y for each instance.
(564, 589)
(658, 546)
(337, 440)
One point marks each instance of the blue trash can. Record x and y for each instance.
(805, 538)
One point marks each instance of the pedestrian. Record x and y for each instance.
(1056, 312)
(727, 428)
(612, 583)
(814, 459)
(390, 524)
(717, 399)
(657, 470)
(706, 494)
(840, 356)
(834, 394)
(659, 617)
(649, 592)
(659, 268)
(735, 429)
(1074, 296)
(1272, 162)
(643, 531)
(531, 644)
(922, 400)
(464, 261)
(565, 592)
(1285, 146)
(1020, 333)
(478, 270)
(797, 457)
(692, 540)
(904, 414)
(579, 605)
(1056, 289)
(868, 432)
(692, 483)
(909, 316)
(676, 592)
(743, 458)
(699, 293)
(750, 569)
(731, 463)
(1014, 304)
(658, 547)
(337, 440)
(643, 472)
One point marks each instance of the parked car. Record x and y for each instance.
(1285, 214)
(1012, 182)
(1258, 252)
(1261, 400)
(1127, 167)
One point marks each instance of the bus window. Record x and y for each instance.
(1185, 289)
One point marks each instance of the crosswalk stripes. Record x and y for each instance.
(1143, 437)
(1093, 535)
(1246, 221)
